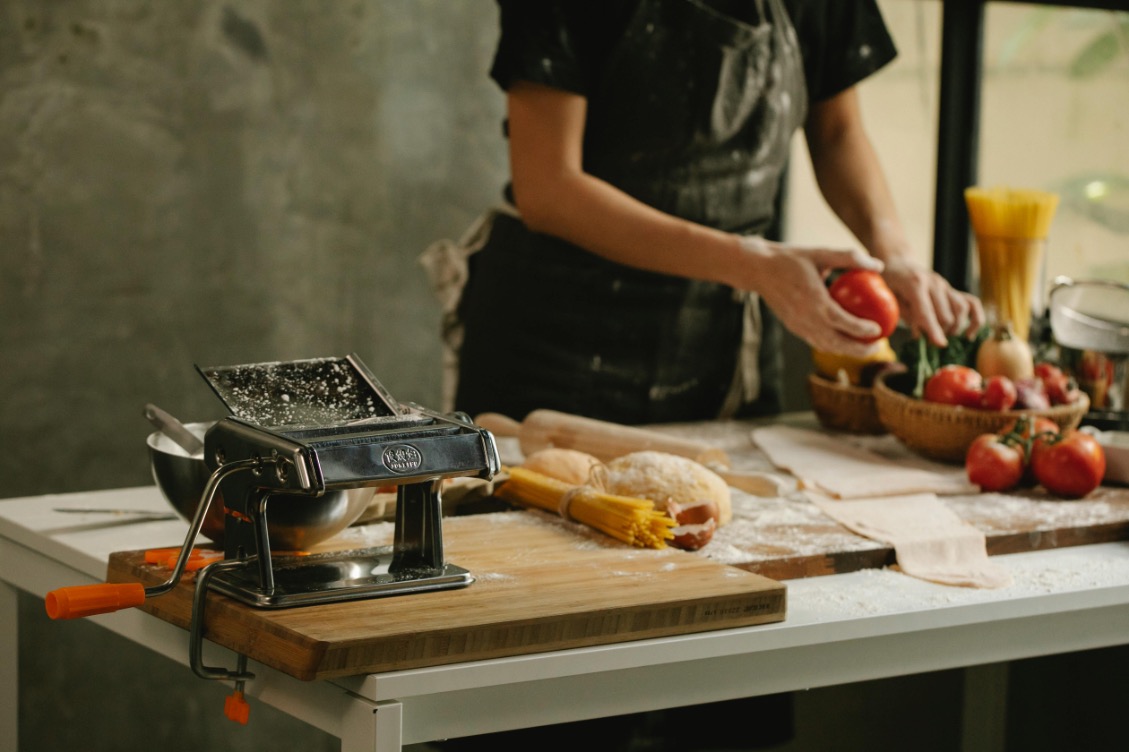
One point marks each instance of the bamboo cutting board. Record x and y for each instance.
(787, 538)
(541, 584)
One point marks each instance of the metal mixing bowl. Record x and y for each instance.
(295, 522)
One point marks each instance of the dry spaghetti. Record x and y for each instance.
(631, 520)
(1011, 227)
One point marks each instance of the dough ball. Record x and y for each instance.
(665, 478)
(568, 465)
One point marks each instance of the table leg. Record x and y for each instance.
(9, 667)
(372, 727)
(984, 712)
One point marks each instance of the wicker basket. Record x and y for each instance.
(944, 432)
(843, 408)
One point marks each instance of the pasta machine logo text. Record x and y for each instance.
(402, 458)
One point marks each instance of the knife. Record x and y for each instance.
(148, 514)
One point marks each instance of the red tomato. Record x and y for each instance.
(1023, 430)
(1060, 389)
(954, 385)
(865, 294)
(1070, 464)
(994, 463)
(1027, 427)
(999, 394)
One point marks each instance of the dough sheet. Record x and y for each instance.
(837, 468)
(930, 541)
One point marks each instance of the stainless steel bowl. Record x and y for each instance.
(295, 522)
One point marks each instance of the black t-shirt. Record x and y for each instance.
(565, 44)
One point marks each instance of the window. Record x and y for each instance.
(1054, 116)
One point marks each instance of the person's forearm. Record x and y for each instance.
(556, 196)
(600, 218)
(851, 178)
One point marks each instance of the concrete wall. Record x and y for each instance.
(215, 183)
(221, 183)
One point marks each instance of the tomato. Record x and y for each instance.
(1044, 371)
(1069, 464)
(1061, 390)
(994, 463)
(999, 394)
(954, 385)
(865, 294)
(1027, 427)
(1023, 431)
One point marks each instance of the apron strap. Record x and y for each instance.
(447, 267)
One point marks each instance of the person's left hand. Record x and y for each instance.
(930, 305)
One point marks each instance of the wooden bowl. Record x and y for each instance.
(944, 432)
(842, 407)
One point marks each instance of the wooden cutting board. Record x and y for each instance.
(788, 538)
(541, 584)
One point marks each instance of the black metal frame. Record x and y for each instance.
(958, 135)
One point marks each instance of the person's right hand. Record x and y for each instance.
(791, 280)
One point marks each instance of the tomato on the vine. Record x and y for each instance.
(954, 385)
(1027, 427)
(1069, 464)
(1023, 431)
(995, 463)
(865, 294)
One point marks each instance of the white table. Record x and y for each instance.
(1064, 600)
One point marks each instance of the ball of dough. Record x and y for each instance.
(663, 478)
(568, 465)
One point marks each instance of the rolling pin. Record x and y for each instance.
(605, 441)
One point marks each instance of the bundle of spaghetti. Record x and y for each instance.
(1011, 227)
(631, 520)
(1010, 212)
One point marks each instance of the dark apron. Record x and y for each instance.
(695, 117)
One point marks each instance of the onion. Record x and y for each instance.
(1005, 354)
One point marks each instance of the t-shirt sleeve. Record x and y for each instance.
(538, 43)
(843, 42)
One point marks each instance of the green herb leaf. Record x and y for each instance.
(924, 359)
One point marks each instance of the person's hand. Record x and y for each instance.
(792, 282)
(930, 305)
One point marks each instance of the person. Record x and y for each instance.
(627, 275)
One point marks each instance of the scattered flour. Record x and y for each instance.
(877, 591)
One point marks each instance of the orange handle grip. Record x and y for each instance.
(235, 708)
(88, 600)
